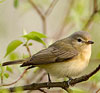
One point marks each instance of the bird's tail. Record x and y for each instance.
(14, 62)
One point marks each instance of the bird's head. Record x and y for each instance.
(81, 40)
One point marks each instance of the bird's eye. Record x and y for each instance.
(79, 40)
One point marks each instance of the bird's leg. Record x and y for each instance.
(49, 80)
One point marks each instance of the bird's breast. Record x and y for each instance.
(72, 67)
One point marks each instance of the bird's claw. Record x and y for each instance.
(69, 80)
(48, 84)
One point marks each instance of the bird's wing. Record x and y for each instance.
(58, 52)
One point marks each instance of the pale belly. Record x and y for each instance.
(70, 68)
(64, 69)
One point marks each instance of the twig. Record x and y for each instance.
(95, 6)
(65, 84)
(39, 90)
(45, 15)
(28, 50)
(64, 22)
(15, 80)
(44, 27)
(98, 91)
(51, 7)
(36, 8)
(95, 10)
(42, 90)
(41, 77)
(2, 75)
(27, 47)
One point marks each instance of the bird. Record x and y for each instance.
(67, 57)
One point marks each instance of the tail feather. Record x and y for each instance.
(14, 62)
(26, 64)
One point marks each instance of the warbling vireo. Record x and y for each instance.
(64, 58)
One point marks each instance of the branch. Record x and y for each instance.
(98, 91)
(21, 76)
(95, 10)
(63, 85)
(2, 71)
(51, 7)
(64, 22)
(36, 8)
(45, 15)
(15, 80)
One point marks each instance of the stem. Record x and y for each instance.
(2, 75)
(51, 7)
(95, 10)
(27, 47)
(44, 26)
(15, 80)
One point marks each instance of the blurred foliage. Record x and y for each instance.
(30, 36)
(13, 56)
(4, 91)
(19, 90)
(6, 75)
(97, 17)
(79, 15)
(96, 77)
(9, 69)
(1, 1)
(79, 9)
(36, 36)
(77, 90)
(16, 3)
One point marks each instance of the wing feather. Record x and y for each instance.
(58, 52)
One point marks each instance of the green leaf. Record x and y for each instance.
(33, 33)
(9, 69)
(95, 77)
(12, 46)
(16, 3)
(30, 44)
(6, 75)
(39, 34)
(0, 75)
(4, 91)
(35, 36)
(13, 56)
(19, 90)
(39, 40)
(0, 64)
(36, 69)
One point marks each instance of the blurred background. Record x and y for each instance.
(56, 19)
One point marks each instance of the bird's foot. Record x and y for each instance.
(69, 80)
(48, 84)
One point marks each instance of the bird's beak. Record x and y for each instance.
(90, 42)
